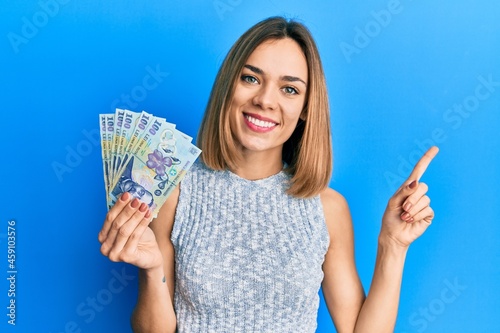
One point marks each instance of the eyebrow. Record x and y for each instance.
(287, 78)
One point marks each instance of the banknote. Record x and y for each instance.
(145, 155)
(127, 127)
(118, 122)
(104, 150)
(108, 143)
(143, 121)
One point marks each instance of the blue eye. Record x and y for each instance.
(290, 91)
(249, 79)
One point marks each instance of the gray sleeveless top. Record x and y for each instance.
(248, 257)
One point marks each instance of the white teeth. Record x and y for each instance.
(260, 123)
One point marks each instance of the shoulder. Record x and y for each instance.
(333, 202)
(337, 214)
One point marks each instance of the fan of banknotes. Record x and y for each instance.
(144, 155)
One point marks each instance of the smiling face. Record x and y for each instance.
(269, 97)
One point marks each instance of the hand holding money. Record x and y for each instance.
(143, 155)
(126, 236)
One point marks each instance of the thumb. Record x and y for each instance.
(404, 192)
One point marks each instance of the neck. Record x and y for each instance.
(258, 165)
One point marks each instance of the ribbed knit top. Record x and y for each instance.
(248, 257)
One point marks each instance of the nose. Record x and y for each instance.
(266, 97)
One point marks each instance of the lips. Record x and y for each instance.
(259, 122)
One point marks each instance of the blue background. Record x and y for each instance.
(394, 83)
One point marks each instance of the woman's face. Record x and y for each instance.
(269, 96)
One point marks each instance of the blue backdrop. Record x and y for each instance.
(402, 75)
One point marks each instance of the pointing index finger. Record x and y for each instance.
(423, 163)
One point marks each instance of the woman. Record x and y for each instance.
(245, 242)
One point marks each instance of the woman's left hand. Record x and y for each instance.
(408, 213)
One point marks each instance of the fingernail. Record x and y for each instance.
(143, 207)
(405, 216)
(412, 184)
(407, 206)
(410, 220)
(135, 203)
(124, 196)
(148, 214)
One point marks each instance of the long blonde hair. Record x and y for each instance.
(308, 152)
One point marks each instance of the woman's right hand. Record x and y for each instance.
(126, 236)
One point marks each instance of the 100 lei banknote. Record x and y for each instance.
(143, 155)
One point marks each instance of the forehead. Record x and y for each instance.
(279, 57)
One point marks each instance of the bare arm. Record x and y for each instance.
(127, 237)
(407, 216)
(154, 311)
(380, 309)
(342, 288)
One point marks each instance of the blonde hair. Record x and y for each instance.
(308, 152)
